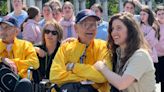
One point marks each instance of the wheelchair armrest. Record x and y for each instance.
(29, 70)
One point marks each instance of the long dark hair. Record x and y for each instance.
(134, 41)
(151, 17)
(152, 21)
(32, 13)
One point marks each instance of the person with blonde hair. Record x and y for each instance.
(68, 20)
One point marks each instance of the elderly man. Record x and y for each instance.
(19, 55)
(72, 67)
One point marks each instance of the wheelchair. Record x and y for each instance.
(40, 86)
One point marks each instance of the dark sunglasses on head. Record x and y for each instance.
(47, 31)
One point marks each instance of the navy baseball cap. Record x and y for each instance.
(83, 14)
(10, 21)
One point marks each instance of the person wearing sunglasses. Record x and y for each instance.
(51, 39)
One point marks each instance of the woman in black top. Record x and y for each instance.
(51, 39)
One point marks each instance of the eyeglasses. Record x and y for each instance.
(47, 31)
(4, 27)
(89, 25)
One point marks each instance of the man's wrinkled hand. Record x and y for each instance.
(70, 66)
(11, 64)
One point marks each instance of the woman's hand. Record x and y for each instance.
(40, 52)
(68, 40)
(100, 65)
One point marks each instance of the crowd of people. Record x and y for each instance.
(83, 52)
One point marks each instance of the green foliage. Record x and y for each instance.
(87, 4)
(3, 7)
(113, 6)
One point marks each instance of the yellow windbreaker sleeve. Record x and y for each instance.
(30, 59)
(89, 72)
(58, 72)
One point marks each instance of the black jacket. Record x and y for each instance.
(45, 64)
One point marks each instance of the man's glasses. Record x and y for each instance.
(89, 25)
(4, 27)
(47, 31)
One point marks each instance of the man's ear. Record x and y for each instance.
(76, 28)
(17, 30)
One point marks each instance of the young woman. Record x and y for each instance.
(55, 3)
(132, 64)
(56, 9)
(47, 15)
(31, 30)
(160, 48)
(57, 14)
(149, 30)
(68, 20)
(102, 32)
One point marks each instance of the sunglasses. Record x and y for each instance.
(47, 31)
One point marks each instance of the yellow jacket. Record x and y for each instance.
(22, 54)
(71, 52)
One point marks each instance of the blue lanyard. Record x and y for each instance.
(83, 56)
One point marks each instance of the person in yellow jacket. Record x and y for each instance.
(74, 60)
(18, 54)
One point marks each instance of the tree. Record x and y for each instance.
(113, 6)
(3, 7)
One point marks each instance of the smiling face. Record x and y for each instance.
(86, 30)
(129, 8)
(119, 33)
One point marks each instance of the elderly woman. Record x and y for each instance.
(52, 35)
